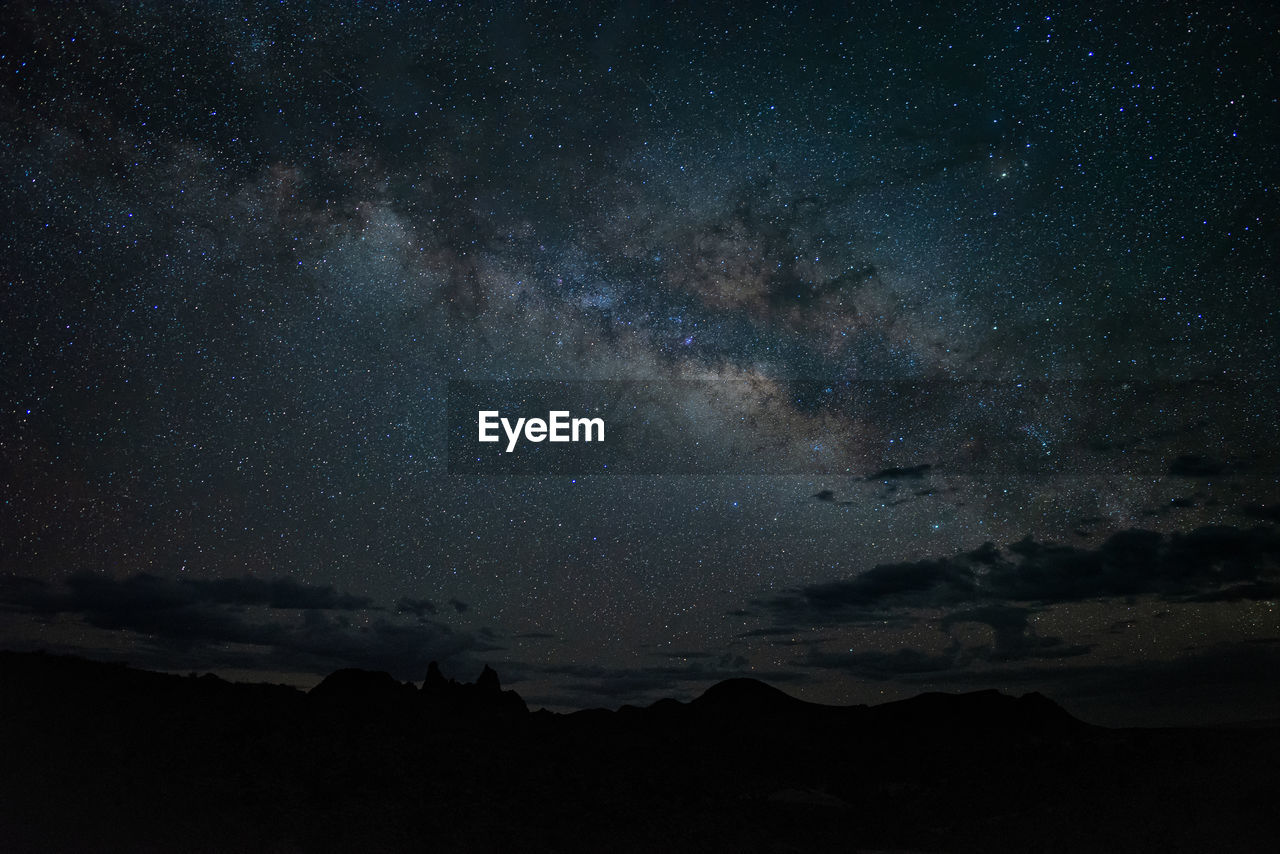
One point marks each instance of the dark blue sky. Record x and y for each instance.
(250, 246)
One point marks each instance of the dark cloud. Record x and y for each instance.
(417, 607)
(1204, 564)
(1013, 640)
(1013, 637)
(459, 605)
(91, 591)
(275, 593)
(911, 584)
(190, 622)
(880, 666)
(1253, 592)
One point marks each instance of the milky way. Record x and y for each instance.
(991, 290)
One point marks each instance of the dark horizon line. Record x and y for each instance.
(714, 687)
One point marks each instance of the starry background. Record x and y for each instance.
(249, 246)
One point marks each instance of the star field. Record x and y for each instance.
(1024, 255)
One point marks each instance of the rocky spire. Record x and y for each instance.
(488, 681)
(435, 681)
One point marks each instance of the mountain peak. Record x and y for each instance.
(488, 682)
(745, 692)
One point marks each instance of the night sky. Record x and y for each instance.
(996, 284)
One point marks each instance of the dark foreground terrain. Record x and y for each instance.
(97, 757)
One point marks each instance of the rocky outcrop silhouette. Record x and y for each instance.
(488, 682)
(482, 699)
(435, 682)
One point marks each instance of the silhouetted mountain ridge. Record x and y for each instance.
(354, 689)
(105, 757)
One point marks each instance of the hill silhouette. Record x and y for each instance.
(104, 757)
(747, 693)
